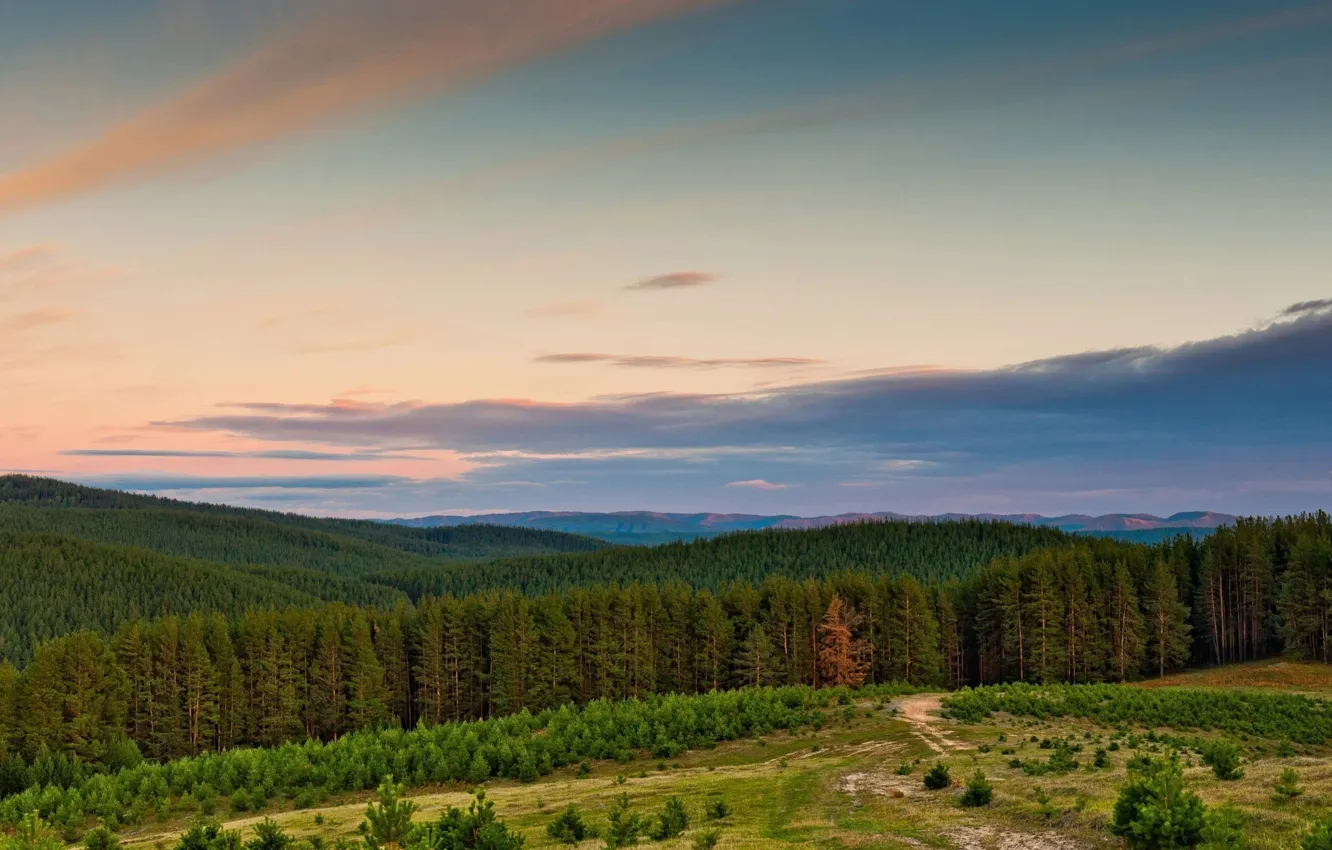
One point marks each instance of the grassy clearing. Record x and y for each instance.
(1306, 677)
(839, 788)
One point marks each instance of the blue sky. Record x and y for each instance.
(389, 261)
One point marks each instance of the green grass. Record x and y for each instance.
(784, 792)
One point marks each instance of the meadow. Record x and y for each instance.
(857, 782)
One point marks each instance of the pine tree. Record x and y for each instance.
(840, 661)
(755, 664)
(915, 632)
(198, 685)
(1126, 624)
(432, 691)
(328, 677)
(714, 638)
(389, 818)
(1168, 619)
(8, 698)
(367, 705)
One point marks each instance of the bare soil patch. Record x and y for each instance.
(990, 838)
(921, 713)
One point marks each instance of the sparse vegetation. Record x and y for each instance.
(937, 778)
(978, 792)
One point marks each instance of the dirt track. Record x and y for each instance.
(920, 712)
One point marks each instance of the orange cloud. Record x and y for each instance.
(34, 319)
(566, 310)
(26, 259)
(376, 54)
(646, 361)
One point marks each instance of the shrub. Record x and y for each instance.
(672, 821)
(1319, 836)
(718, 810)
(209, 835)
(1042, 798)
(475, 829)
(1287, 786)
(569, 827)
(1223, 829)
(101, 838)
(623, 826)
(978, 792)
(904, 769)
(268, 835)
(388, 820)
(32, 833)
(1224, 759)
(937, 778)
(706, 839)
(1155, 811)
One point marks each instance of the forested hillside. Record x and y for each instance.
(1081, 611)
(929, 551)
(81, 558)
(51, 586)
(359, 544)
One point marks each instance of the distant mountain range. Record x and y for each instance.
(650, 527)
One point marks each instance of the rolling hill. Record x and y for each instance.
(939, 550)
(250, 536)
(647, 528)
(51, 585)
(74, 557)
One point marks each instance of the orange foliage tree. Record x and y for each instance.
(841, 656)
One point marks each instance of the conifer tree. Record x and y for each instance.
(1168, 620)
(1126, 623)
(840, 660)
(755, 664)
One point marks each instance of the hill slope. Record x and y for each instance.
(199, 521)
(650, 527)
(52, 585)
(926, 550)
(77, 557)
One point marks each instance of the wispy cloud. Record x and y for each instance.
(27, 259)
(362, 56)
(879, 98)
(758, 484)
(270, 454)
(674, 280)
(1306, 307)
(644, 361)
(154, 483)
(567, 310)
(35, 319)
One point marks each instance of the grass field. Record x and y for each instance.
(1305, 677)
(839, 787)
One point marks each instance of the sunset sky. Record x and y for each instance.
(801, 256)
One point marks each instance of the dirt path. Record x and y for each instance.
(919, 712)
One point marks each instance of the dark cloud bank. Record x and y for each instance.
(1240, 423)
(1265, 387)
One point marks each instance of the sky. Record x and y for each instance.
(408, 257)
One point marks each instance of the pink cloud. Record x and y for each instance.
(371, 56)
(759, 484)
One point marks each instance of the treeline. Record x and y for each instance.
(1264, 586)
(522, 746)
(1085, 611)
(51, 586)
(182, 686)
(930, 551)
